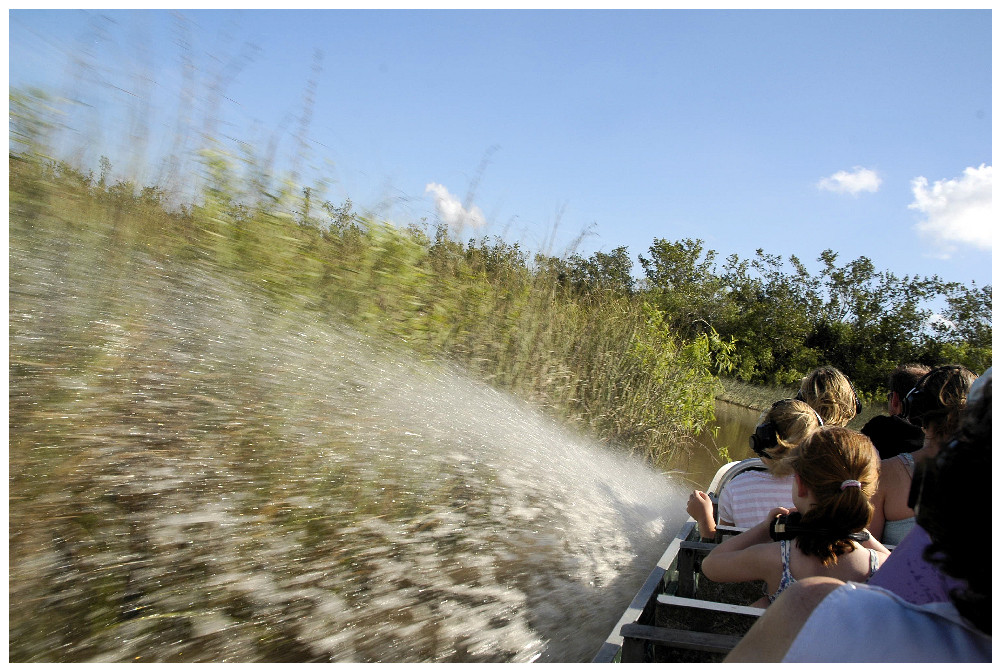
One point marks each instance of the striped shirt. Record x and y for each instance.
(746, 501)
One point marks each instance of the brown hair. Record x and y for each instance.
(793, 421)
(949, 386)
(826, 459)
(905, 377)
(830, 393)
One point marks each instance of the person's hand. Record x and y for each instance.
(778, 511)
(699, 506)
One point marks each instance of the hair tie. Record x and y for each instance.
(849, 483)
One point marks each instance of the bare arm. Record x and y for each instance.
(699, 507)
(773, 634)
(873, 544)
(739, 558)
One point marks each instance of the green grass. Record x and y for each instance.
(601, 360)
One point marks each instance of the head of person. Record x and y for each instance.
(937, 400)
(901, 380)
(780, 430)
(831, 394)
(839, 467)
(952, 489)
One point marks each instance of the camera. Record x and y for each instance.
(787, 527)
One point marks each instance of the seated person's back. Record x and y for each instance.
(835, 471)
(936, 403)
(749, 496)
(891, 434)
(907, 572)
(824, 620)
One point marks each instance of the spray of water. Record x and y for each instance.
(216, 479)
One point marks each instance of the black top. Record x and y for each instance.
(891, 435)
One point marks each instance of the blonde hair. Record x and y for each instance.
(829, 392)
(793, 421)
(827, 459)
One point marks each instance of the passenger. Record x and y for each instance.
(907, 573)
(935, 404)
(825, 620)
(748, 498)
(891, 434)
(835, 473)
(831, 394)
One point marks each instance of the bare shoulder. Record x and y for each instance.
(772, 635)
(891, 470)
(804, 595)
(886, 465)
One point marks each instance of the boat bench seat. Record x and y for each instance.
(689, 581)
(689, 626)
(722, 532)
(637, 635)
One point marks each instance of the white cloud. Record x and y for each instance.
(854, 182)
(957, 210)
(451, 211)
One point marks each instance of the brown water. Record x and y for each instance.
(196, 475)
(728, 434)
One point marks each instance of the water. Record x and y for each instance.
(729, 434)
(196, 475)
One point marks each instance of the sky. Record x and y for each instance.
(865, 132)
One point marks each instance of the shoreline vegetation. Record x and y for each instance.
(146, 339)
(752, 396)
(603, 361)
(634, 362)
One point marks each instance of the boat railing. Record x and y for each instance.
(703, 626)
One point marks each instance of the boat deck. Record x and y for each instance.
(679, 615)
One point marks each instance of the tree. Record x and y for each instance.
(605, 272)
(681, 275)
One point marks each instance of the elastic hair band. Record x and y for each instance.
(849, 483)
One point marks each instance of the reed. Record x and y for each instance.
(600, 359)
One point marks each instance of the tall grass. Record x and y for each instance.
(600, 359)
(163, 446)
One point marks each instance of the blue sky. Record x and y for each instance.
(867, 132)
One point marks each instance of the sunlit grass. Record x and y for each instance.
(173, 493)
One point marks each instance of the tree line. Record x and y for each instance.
(603, 361)
(635, 359)
(785, 321)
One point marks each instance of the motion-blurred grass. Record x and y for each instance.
(600, 358)
(163, 431)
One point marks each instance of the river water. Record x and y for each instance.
(728, 435)
(198, 476)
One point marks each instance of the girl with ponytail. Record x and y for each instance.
(835, 474)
